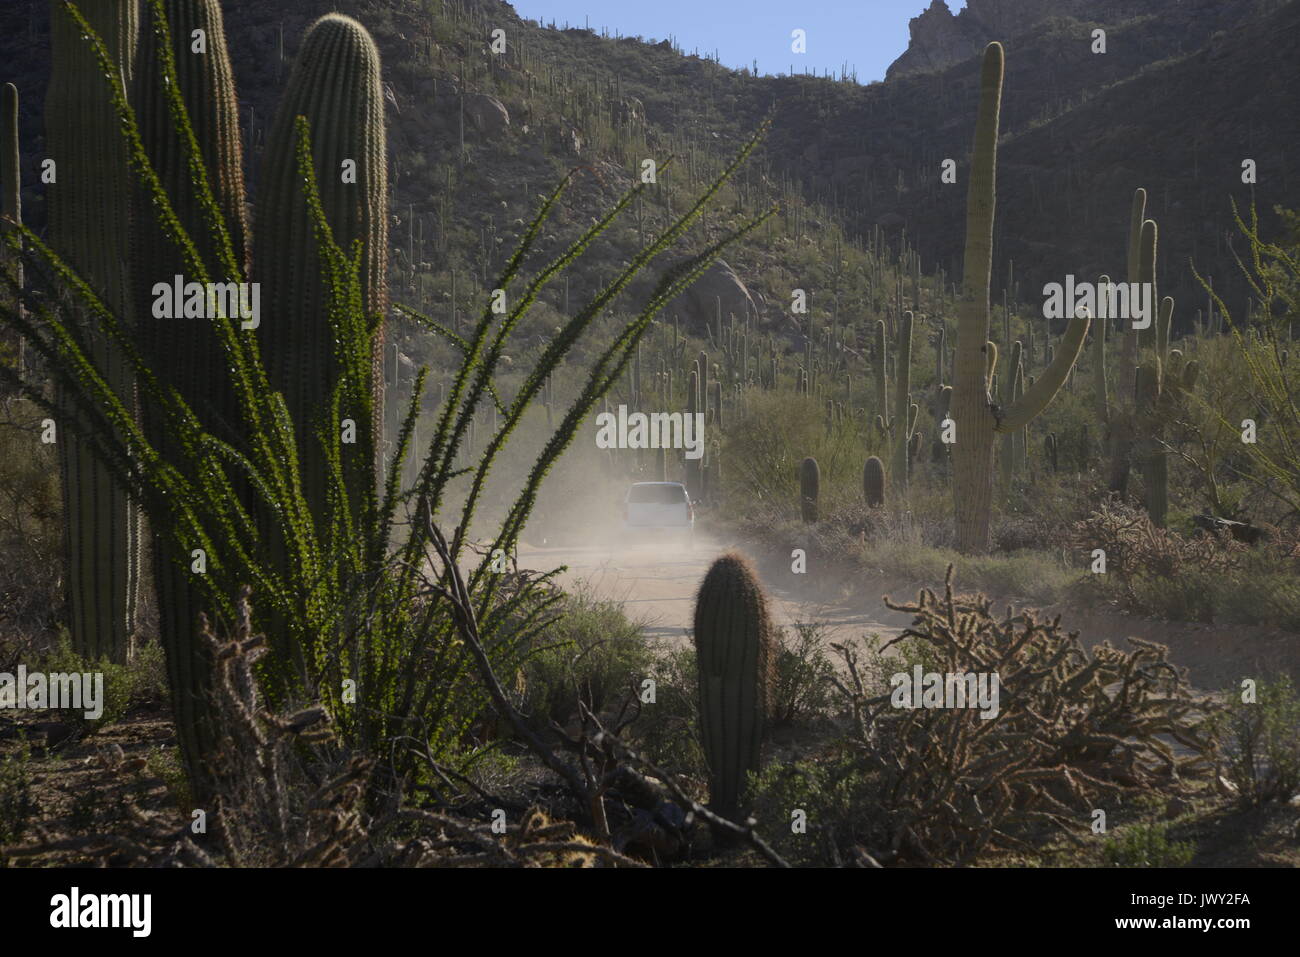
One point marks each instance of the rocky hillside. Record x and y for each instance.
(1186, 90)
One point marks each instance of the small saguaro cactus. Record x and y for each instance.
(873, 482)
(734, 650)
(809, 489)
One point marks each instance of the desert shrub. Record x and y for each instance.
(1146, 845)
(30, 536)
(1207, 577)
(590, 653)
(801, 688)
(836, 795)
(17, 804)
(141, 681)
(666, 731)
(1262, 743)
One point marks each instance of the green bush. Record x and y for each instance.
(1262, 743)
(143, 680)
(801, 689)
(17, 805)
(666, 731)
(1147, 845)
(591, 653)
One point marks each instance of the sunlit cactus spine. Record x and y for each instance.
(335, 84)
(734, 648)
(89, 213)
(809, 489)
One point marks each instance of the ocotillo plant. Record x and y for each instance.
(335, 84)
(809, 489)
(734, 649)
(346, 611)
(89, 213)
(973, 412)
(873, 482)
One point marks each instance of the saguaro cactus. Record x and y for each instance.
(336, 85)
(973, 412)
(734, 649)
(11, 206)
(88, 216)
(809, 489)
(691, 468)
(187, 354)
(873, 482)
(1122, 436)
(905, 413)
(1101, 391)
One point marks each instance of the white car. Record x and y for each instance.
(659, 507)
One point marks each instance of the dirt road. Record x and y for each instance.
(657, 581)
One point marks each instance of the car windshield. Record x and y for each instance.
(654, 494)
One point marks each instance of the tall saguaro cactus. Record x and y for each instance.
(976, 418)
(336, 85)
(1122, 435)
(89, 213)
(187, 354)
(11, 205)
(905, 413)
(734, 653)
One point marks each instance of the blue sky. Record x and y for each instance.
(868, 34)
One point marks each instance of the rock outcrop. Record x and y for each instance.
(939, 39)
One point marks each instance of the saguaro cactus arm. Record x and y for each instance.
(1040, 395)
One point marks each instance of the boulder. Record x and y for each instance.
(698, 305)
(486, 114)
